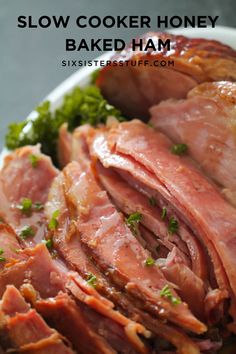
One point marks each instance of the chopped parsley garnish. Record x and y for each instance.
(34, 160)
(163, 213)
(2, 259)
(25, 205)
(79, 107)
(1, 251)
(173, 225)
(48, 243)
(53, 223)
(166, 292)
(179, 149)
(152, 201)
(150, 125)
(92, 280)
(27, 232)
(133, 220)
(38, 206)
(149, 262)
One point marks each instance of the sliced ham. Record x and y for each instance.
(38, 269)
(10, 247)
(77, 258)
(205, 121)
(177, 270)
(63, 313)
(64, 145)
(66, 239)
(133, 89)
(20, 178)
(129, 201)
(72, 146)
(197, 201)
(124, 333)
(189, 286)
(113, 246)
(25, 329)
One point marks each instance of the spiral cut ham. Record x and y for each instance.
(144, 154)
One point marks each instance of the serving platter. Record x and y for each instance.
(82, 77)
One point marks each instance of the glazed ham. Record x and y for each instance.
(134, 89)
(175, 180)
(73, 251)
(97, 218)
(24, 329)
(34, 267)
(25, 180)
(205, 121)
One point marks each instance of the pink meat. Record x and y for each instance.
(176, 266)
(38, 269)
(113, 245)
(66, 239)
(189, 286)
(19, 179)
(25, 328)
(205, 121)
(9, 245)
(64, 145)
(196, 200)
(65, 315)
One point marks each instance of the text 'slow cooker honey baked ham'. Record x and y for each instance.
(134, 89)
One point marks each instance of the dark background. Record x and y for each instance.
(30, 59)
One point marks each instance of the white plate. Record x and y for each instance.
(81, 77)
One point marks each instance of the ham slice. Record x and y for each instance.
(20, 178)
(112, 245)
(10, 247)
(64, 145)
(175, 268)
(66, 239)
(195, 60)
(37, 268)
(113, 321)
(63, 313)
(72, 146)
(205, 121)
(78, 259)
(25, 329)
(197, 202)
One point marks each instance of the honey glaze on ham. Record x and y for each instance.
(197, 201)
(133, 89)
